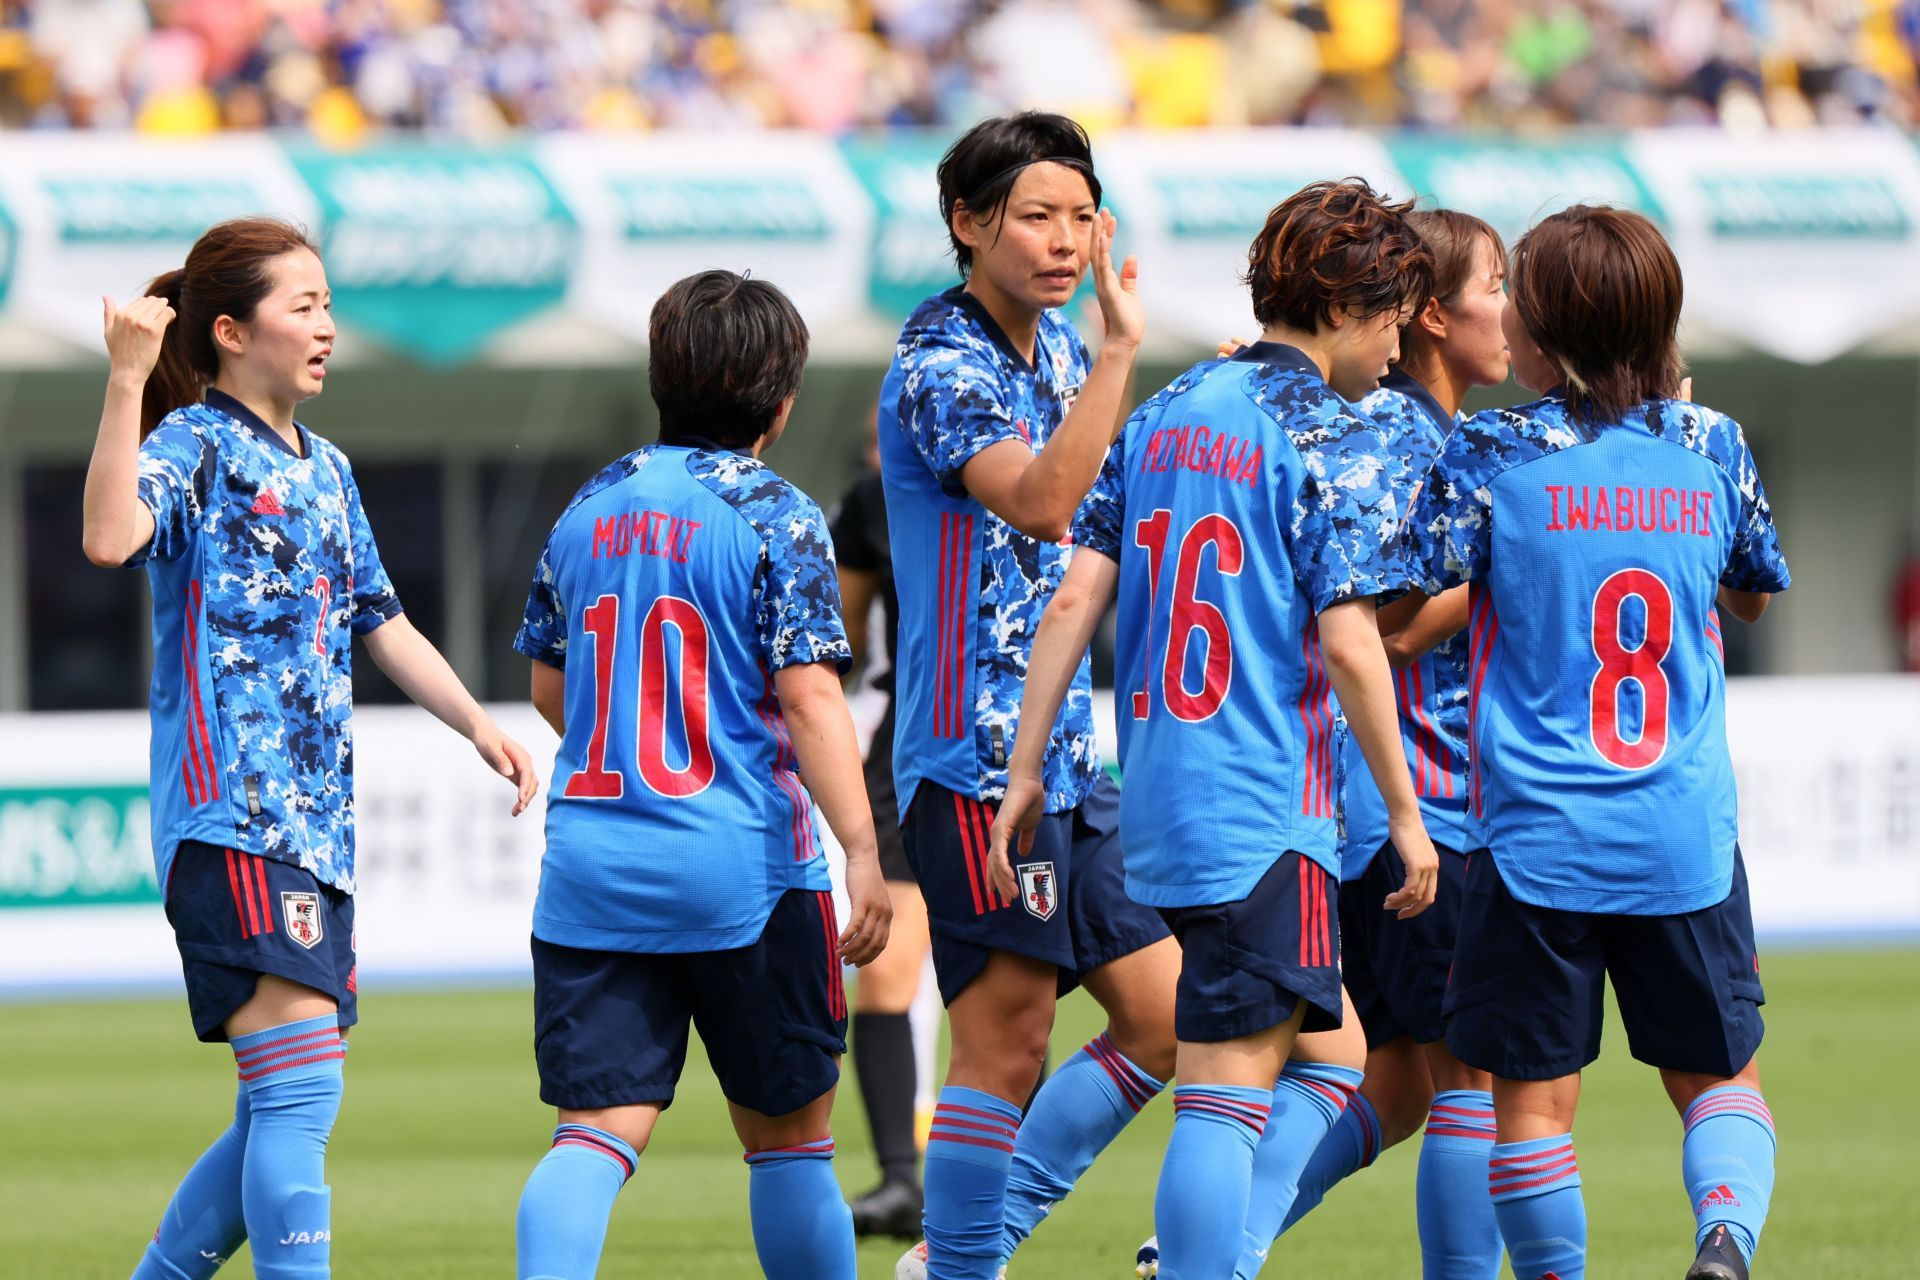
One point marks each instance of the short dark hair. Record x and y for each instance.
(724, 351)
(1454, 238)
(980, 169)
(1336, 246)
(1599, 291)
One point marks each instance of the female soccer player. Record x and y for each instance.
(263, 567)
(1396, 970)
(1246, 519)
(1598, 528)
(992, 426)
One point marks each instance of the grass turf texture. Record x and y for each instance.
(103, 1105)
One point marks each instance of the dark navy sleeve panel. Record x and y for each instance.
(1345, 516)
(543, 625)
(796, 607)
(174, 466)
(1756, 562)
(1449, 534)
(954, 401)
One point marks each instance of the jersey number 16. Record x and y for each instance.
(1189, 614)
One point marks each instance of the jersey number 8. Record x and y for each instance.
(601, 620)
(1642, 666)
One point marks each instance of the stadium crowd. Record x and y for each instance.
(477, 68)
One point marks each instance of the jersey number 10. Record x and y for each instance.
(1189, 614)
(601, 620)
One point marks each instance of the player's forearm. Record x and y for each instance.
(412, 663)
(1054, 484)
(115, 523)
(1744, 605)
(1357, 665)
(1065, 631)
(1432, 622)
(828, 752)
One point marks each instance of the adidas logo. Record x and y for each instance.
(1721, 1195)
(268, 504)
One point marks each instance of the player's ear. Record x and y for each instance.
(229, 336)
(965, 229)
(1433, 319)
(779, 426)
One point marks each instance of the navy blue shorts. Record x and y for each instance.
(1526, 1001)
(236, 916)
(1073, 910)
(1245, 966)
(610, 1027)
(1396, 970)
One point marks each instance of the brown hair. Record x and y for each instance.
(1454, 239)
(1335, 246)
(1599, 291)
(724, 351)
(227, 273)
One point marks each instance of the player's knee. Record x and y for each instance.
(1145, 1037)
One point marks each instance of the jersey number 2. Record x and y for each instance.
(1619, 664)
(601, 620)
(1189, 614)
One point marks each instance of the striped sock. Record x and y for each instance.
(293, 1078)
(1309, 1098)
(203, 1224)
(1079, 1110)
(1351, 1145)
(1200, 1206)
(562, 1224)
(1459, 1239)
(969, 1153)
(1727, 1161)
(1536, 1200)
(802, 1228)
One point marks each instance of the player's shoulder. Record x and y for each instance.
(191, 426)
(1705, 431)
(942, 332)
(1392, 410)
(1319, 422)
(616, 472)
(1497, 440)
(771, 504)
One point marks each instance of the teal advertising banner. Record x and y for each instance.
(65, 846)
(1514, 185)
(910, 258)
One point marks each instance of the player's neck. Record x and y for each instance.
(277, 416)
(1020, 322)
(1447, 388)
(1307, 343)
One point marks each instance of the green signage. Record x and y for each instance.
(75, 846)
(108, 210)
(436, 251)
(911, 258)
(1862, 206)
(672, 207)
(1225, 205)
(8, 239)
(1513, 185)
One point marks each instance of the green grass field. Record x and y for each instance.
(102, 1106)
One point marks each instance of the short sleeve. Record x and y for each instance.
(1346, 517)
(374, 601)
(797, 615)
(1756, 562)
(1449, 531)
(172, 486)
(1097, 524)
(953, 406)
(543, 628)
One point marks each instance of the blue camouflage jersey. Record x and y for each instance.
(1596, 691)
(263, 567)
(1432, 691)
(678, 581)
(1239, 503)
(972, 588)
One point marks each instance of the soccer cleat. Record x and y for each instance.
(1719, 1258)
(913, 1264)
(891, 1209)
(1146, 1263)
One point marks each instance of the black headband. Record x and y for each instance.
(1078, 165)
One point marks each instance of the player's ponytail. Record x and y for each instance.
(227, 272)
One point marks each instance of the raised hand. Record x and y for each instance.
(1118, 292)
(134, 334)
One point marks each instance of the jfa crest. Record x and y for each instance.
(302, 911)
(1039, 890)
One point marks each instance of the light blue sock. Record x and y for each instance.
(1459, 1239)
(1079, 1110)
(802, 1228)
(1351, 1145)
(969, 1152)
(292, 1075)
(1536, 1200)
(563, 1211)
(1307, 1100)
(1727, 1161)
(1200, 1207)
(203, 1223)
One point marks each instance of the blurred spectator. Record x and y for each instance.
(344, 69)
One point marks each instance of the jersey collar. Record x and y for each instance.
(1278, 354)
(1415, 390)
(977, 311)
(221, 402)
